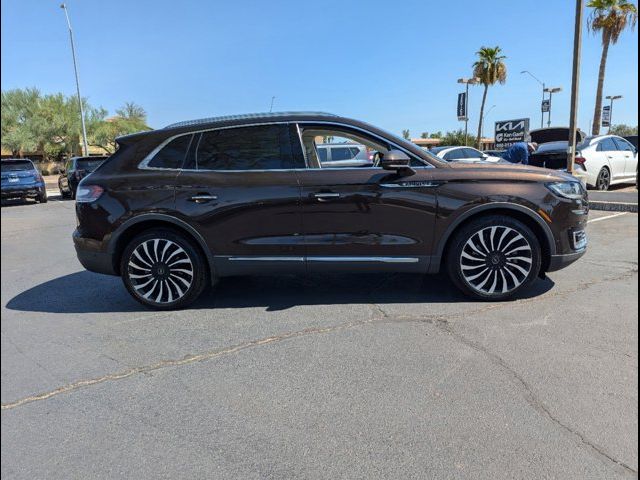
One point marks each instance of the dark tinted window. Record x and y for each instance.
(472, 153)
(607, 145)
(457, 154)
(322, 154)
(17, 165)
(88, 164)
(623, 145)
(172, 154)
(246, 148)
(343, 153)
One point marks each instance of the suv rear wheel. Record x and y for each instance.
(493, 258)
(163, 270)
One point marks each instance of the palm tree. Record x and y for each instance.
(490, 69)
(611, 17)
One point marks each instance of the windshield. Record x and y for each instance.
(436, 150)
(88, 164)
(17, 166)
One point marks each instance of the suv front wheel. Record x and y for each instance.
(493, 258)
(163, 270)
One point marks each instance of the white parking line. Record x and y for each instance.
(607, 217)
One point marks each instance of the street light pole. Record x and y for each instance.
(75, 68)
(611, 98)
(551, 91)
(575, 84)
(543, 90)
(271, 108)
(467, 81)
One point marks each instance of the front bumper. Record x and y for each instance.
(91, 256)
(558, 262)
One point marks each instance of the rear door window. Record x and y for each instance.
(457, 154)
(472, 153)
(172, 155)
(264, 147)
(607, 145)
(322, 154)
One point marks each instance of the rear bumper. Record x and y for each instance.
(15, 191)
(91, 256)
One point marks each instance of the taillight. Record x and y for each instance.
(580, 161)
(88, 193)
(79, 174)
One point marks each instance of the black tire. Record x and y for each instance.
(42, 198)
(155, 274)
(603, 182)
(493, 258)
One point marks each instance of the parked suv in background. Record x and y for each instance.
(75, 169)
(21, 179)
(344, 155)
(175, 209)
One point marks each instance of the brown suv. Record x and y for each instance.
(176, 208)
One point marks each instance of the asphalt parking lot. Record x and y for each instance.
(385, 376)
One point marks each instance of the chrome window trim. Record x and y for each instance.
(144, 164)
(383, 139)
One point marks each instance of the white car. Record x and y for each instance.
(601, 161)
(463, 154)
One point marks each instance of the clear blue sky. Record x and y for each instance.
(392, 63)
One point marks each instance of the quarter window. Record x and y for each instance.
(172, 154)
(245, 148)
(457, 154)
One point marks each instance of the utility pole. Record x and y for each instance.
(75, 69)
(551, 91)
(271, 107)
(575, 85)
(467, 82)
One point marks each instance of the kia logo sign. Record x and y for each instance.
(509, 132)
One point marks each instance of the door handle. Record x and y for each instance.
(202, 198)
(325, 197)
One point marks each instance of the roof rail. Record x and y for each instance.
(247, 116)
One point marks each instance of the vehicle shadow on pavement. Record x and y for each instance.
(86, 292)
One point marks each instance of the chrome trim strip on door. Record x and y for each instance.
(365, 259)
(266, 259)
(415, 184)
(327, 259)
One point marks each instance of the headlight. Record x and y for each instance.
(573, 190)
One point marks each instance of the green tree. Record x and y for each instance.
(623, 130)
(490, 69)
(424, 135)
(456, 138)
(610, 18)
(406, 134)
(131, 118)
(19, 115)
(437, 134)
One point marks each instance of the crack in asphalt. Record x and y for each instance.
(442, 322)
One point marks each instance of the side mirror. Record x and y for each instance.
(395, 160)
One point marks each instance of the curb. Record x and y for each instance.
(613, 206)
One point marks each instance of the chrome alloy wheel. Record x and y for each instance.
(496, 260)
(160, 270)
